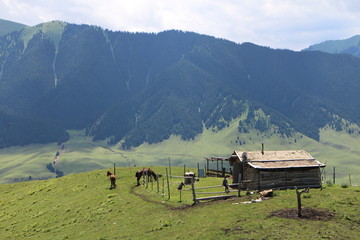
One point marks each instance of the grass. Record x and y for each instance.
(336, 149)
(81, 206)
(52, 30)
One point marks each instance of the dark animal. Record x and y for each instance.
(112, 180)
(146, 172)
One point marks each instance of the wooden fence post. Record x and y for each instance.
(168, 184)
(350, 179)
(193, 189)
(334, 176)
(198, 166)
(239, 185)
(163, 187)
(207, 167)
(169, 167)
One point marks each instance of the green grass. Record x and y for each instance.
(337, 149)
(52, 30)
(9, 26)
(80, 206)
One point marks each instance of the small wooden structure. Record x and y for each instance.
(189, 177)
(220, 170)
(275, 169)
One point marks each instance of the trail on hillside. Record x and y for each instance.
(147, 199)
(129, 162)
(168, 206)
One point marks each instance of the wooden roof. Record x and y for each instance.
(276, 159)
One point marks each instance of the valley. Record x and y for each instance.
(81, 154)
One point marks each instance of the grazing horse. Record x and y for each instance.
(146, 172)
(112, 180)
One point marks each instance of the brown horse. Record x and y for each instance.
(112, 180)
(146, 172)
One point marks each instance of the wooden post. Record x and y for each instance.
(298, 195)
(193, 189)
(222, 168)
(334, 176)
(169, 167)
(168, 184)
(349, 179)
(114, 170)
(163, 186)
(184, 169)
(239, 185)
(198, 170)
(207, 167)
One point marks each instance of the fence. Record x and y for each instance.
(225, 194)
(197, 193)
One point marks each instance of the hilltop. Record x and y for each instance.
(80, 206)
(346, 46)
(10, 26)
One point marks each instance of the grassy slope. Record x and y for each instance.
(80, 206)
(335, 149)
(9, 26)
(53, 30)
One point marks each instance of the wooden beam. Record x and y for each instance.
(215, 197)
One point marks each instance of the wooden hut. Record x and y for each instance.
(275, 169)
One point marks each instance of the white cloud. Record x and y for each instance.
(293, 24)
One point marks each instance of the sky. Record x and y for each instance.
(283, 24)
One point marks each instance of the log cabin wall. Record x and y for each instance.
(260, 179)
(289, 178)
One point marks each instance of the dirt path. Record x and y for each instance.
(146, 199)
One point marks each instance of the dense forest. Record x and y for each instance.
(145, 87)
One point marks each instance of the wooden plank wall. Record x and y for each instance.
(288, 178)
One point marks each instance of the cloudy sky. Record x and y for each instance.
(290, 24)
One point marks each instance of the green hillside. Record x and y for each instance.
(348, 46)
(336, 149)
(9, 26)
(81, 206)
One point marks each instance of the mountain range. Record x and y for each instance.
(132, 88)
(346, 46)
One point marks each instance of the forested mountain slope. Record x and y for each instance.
(142, 87)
